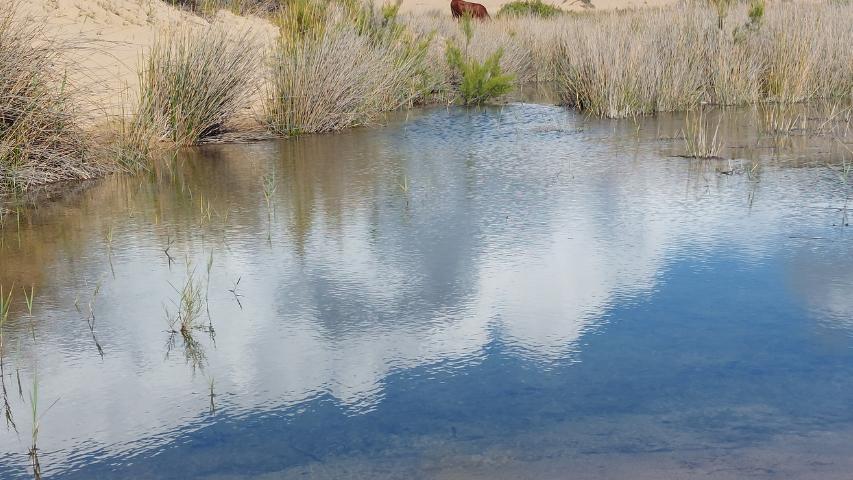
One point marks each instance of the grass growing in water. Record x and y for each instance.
(194, 82)
(699, 141)
(36, 427)
(212, 394)
(269, 187)
(844, 172)
(184, 321)
(780, 120)
(648, 61)
(90, 319)
(234, 291)
(5, 302)
(29, 298)
(188, 307)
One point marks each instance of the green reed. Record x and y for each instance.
(234, 291)
(184, 319)
(29, 297)
(36, 426)
(90, 318)
(5, 302)
(212, 394)
(699, 142)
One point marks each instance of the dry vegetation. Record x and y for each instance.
(340, 64)
(335, 67)
(40, 138)
(639, 63)
(193, 82)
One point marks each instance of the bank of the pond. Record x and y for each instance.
(136, 77)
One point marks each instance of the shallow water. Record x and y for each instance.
(518, 292)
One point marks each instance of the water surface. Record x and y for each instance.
(515, 292)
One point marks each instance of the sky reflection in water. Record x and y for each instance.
(469, 294)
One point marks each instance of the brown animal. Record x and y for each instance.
(461, 7)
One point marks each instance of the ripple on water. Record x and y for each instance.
(498, 292)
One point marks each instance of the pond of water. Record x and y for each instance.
(514, 292)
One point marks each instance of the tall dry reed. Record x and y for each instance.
(645, 61)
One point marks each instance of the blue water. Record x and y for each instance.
(507, 293)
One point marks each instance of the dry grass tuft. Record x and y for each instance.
(701, 136)
(195, 81)
(329, 72)
(40, 138)
(647, 61)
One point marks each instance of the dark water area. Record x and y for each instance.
(513, 292)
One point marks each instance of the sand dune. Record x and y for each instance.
(107, 38)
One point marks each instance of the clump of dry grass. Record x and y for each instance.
(332, 70)
(130, 140)
(647, 61)
(807, 51)
(627, 64)
(194, 81)
(40, 138)
(701, 136)
(238, 7)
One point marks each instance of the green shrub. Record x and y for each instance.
(722, 7)
(480, 82)
(536, 8)
(756, 12)
(755, 15)
(477, 82)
